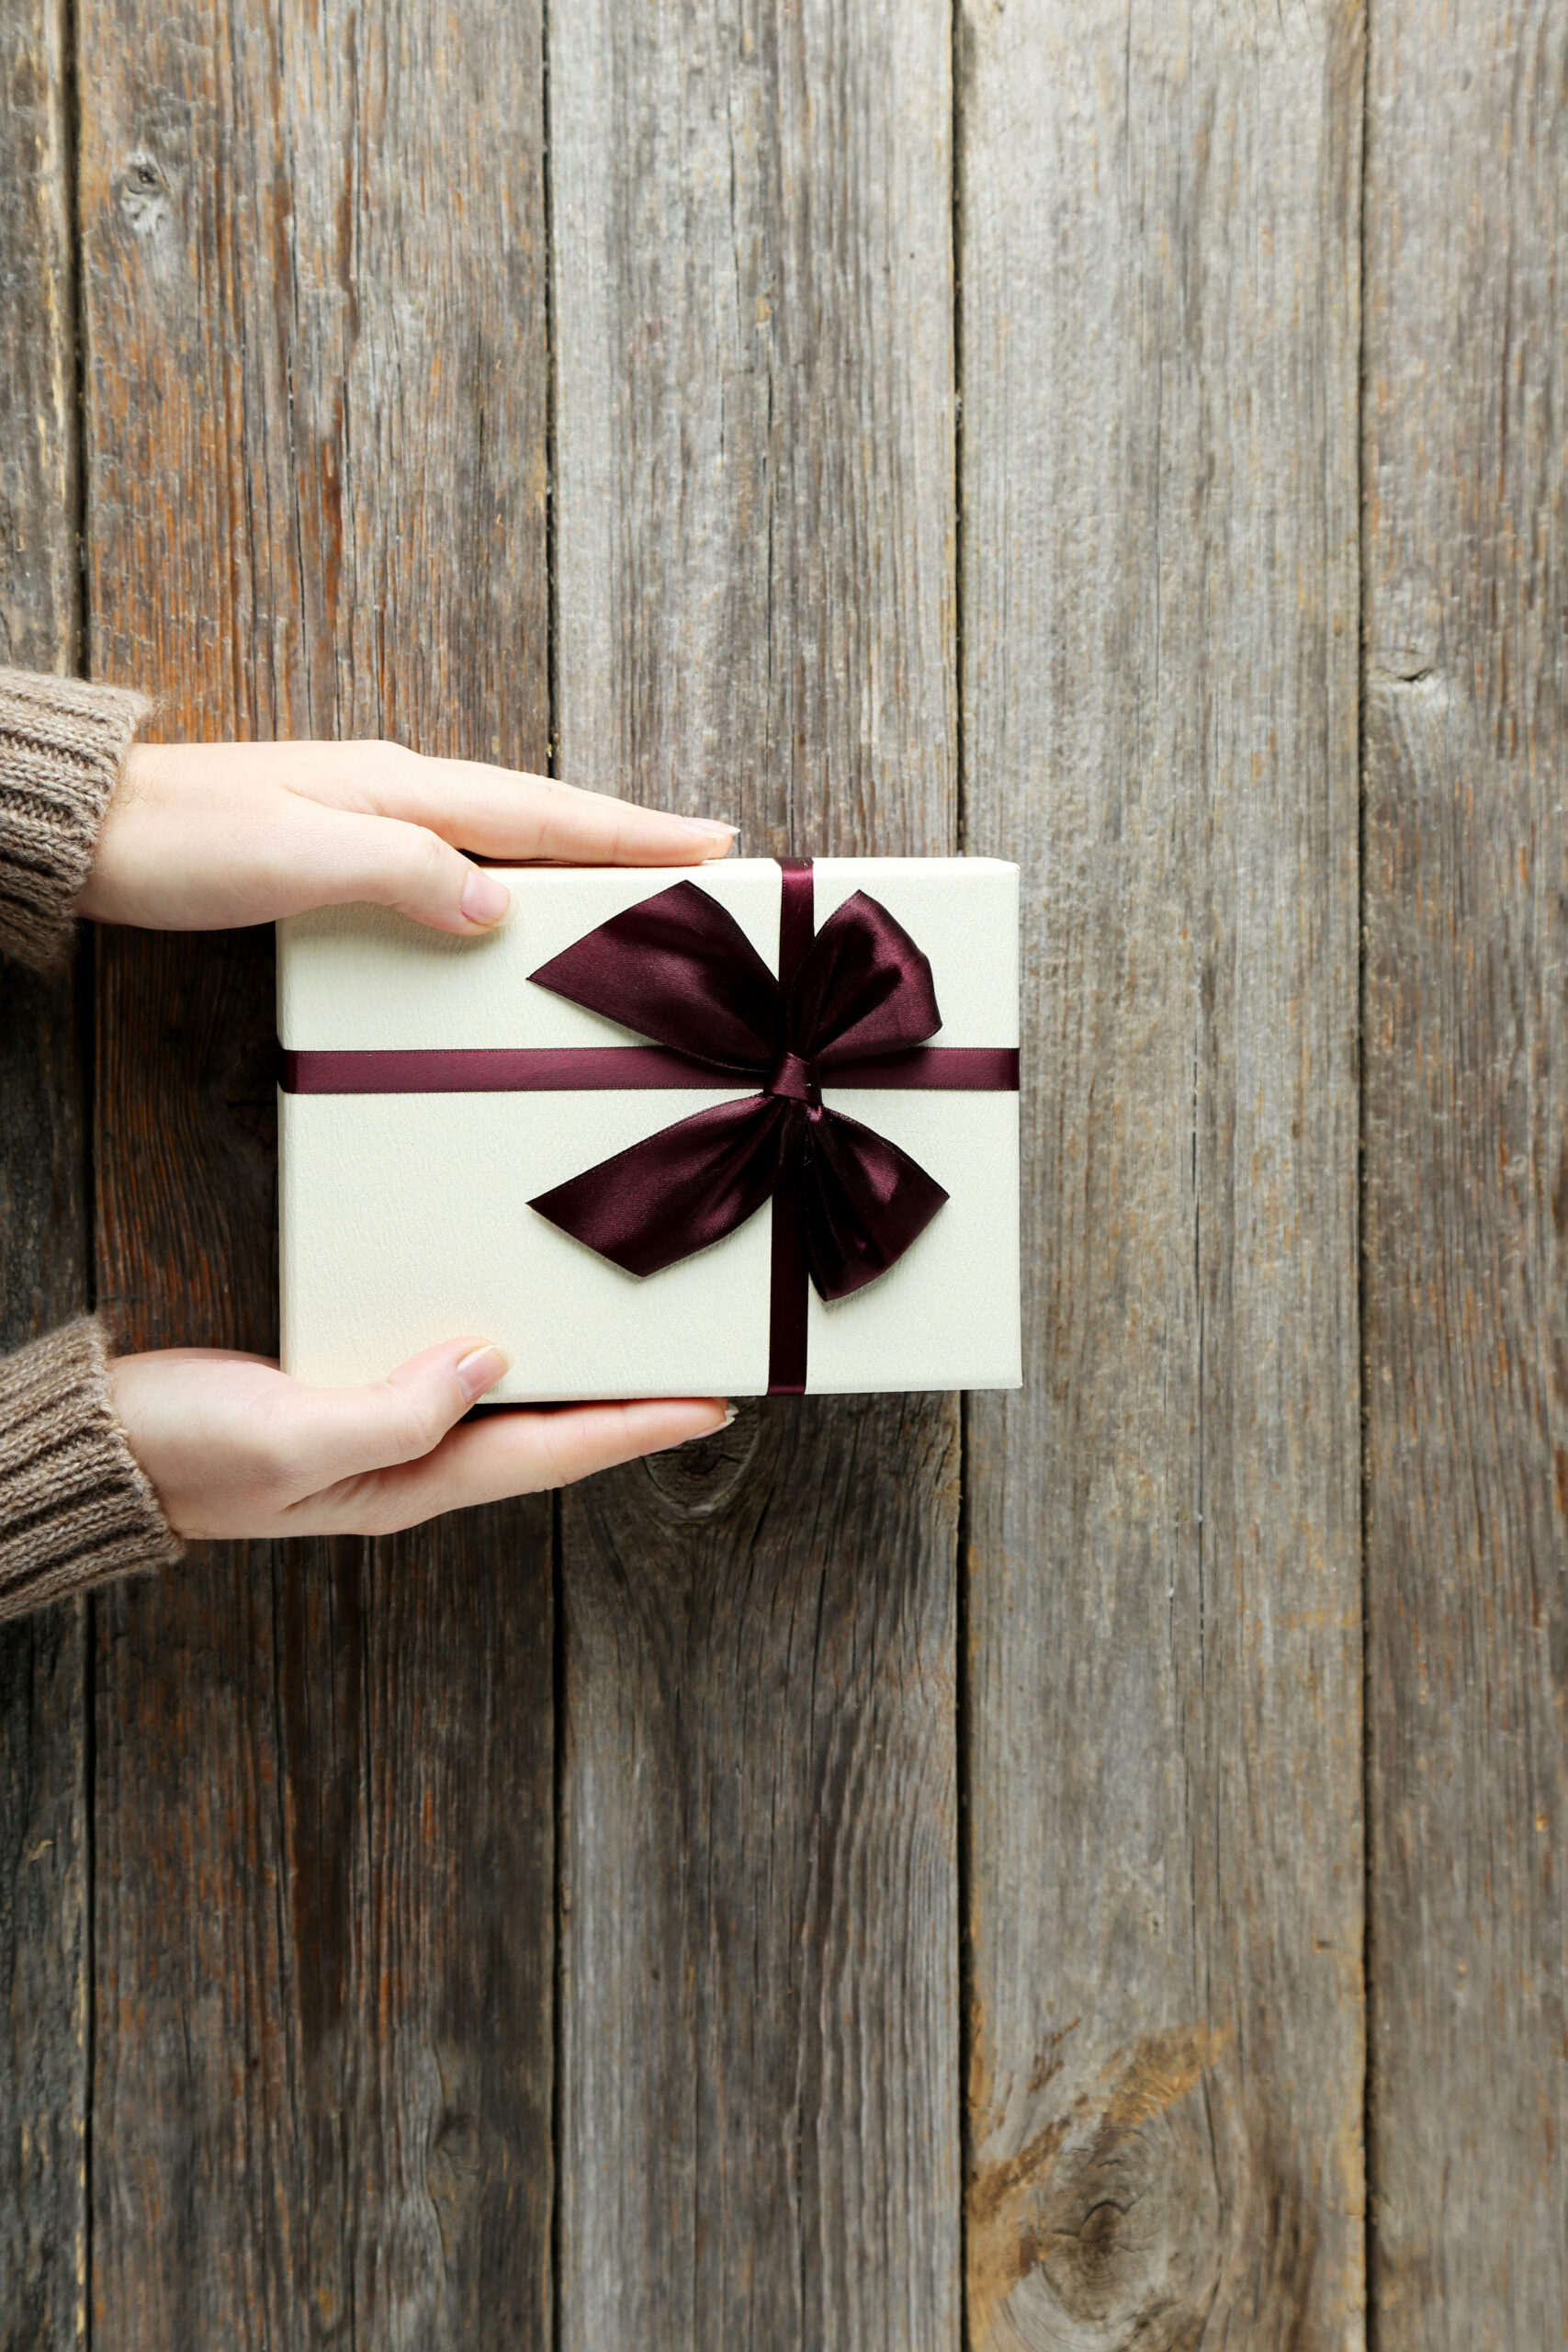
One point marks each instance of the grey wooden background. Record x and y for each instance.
(1077, 1868)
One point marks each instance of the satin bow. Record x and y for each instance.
(679, 968)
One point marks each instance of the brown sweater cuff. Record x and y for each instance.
(62, 745)
(75, 1505)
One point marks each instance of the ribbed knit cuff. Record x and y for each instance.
(75, 1505)
(62, 745)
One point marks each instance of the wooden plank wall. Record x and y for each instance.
(323, 1922)
(754, 306)
(43, 1240)
(1159, 223)
(970, 1846)
(1466, 587)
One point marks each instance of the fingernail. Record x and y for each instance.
(712, 828)
(484, 900)
(480, 1371)
(698, 1435)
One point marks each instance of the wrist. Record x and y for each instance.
(62, 746)
(75, 1504)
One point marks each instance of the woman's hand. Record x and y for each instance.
(235, 1448)
(203, 837)
(207, 836)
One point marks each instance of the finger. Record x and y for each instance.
(338, 1433)
(390, 863)
(498, 813)
(508, 1453)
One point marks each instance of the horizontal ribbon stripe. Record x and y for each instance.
(951, 1069)
(496, 1069)
(573, 1069)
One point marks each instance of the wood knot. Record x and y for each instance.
(144, 195)
(696, 1481)
(465, 2168)
(1106, 2223)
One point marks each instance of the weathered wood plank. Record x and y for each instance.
(1158, 257)
(1466, 763)
(753, 314)
(43, 1259)
(324, 1944)
(39, 620)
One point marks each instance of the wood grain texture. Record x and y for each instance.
(753, 308)
(44, 1261)
(1158, 255)
(1466, 469)
(39, 596)
(317, 470)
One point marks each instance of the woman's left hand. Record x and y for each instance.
(207, 836)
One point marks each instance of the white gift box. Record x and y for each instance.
(405, 1218)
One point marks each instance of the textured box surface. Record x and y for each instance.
(405, 1218)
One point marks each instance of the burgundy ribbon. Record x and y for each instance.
(853, 1005)
(624, 1069)
(847, 1203)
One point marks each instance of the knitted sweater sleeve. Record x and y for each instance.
(61, 743)
(75, 1505)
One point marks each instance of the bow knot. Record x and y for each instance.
(795, 1081)
(677, 968)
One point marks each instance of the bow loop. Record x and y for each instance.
(677, 968)
(864, 987)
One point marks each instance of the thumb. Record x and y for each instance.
(341, 1433)
(406, 866)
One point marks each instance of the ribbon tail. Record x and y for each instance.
(679, 1190)
(865, 1202)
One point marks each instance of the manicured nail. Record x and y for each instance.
(480, 1371)
(712, 828)
(698, 1435)
(484, 900)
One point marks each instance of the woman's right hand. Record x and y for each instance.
(235, 1447)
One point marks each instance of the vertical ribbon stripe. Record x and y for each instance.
(787, 1307)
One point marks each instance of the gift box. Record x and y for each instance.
(748, 1127)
